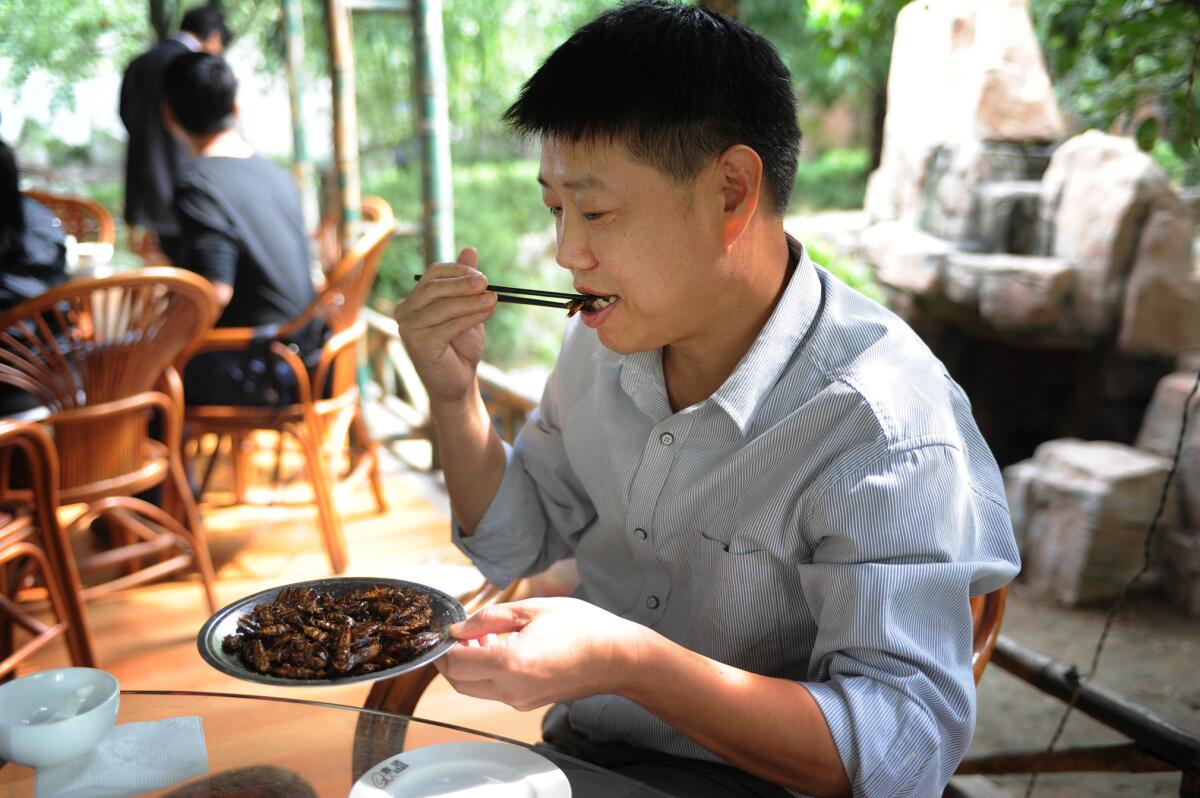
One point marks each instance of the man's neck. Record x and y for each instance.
(226, 144)
(693, 372)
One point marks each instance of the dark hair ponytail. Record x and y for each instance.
(12, 215)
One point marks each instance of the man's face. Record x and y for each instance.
(628, 232)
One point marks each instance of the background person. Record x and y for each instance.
(241, 227)
(33, 254)
(155, 159)
(33, 258)
(777, 498)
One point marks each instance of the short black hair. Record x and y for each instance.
(200, 90)
(201, 21)
(676, 84)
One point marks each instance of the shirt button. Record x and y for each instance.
(640, 534)
(652, 602)
(666, 439)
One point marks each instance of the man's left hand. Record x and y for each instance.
(552, 649)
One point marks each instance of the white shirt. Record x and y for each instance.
(823, 517)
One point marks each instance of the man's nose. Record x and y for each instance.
(574, 249)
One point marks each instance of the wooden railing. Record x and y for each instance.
(395, 389)
(1155, 745)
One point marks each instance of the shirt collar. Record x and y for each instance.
(759, 369)
(188, 40)
(779, 339)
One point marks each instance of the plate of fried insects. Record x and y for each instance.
(339, 630)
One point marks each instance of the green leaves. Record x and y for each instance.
(1126, 64)
(67, 40)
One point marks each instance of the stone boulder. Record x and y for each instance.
(961, 71)
(1160, 435)
(1181, 570)
(951, 200)
(906, 259)
(1007, 212)
(1010, 293)
(1081, 510)
(1161, 308)
(1133, 250)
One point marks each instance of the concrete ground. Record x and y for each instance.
(1150, 657)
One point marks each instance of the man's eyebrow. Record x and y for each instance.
(589, 182)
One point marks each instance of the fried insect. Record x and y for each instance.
(582, 303)
(308, 635)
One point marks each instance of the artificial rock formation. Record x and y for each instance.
(963, 72)
(1132, 251)
(1160, 435)
(1080, 511)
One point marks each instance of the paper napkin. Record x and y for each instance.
(133, 758)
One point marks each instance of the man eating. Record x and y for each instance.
(776, 497)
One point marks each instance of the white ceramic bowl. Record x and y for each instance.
(30, 733)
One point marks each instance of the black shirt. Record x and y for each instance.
(41, 262)
(241, 224)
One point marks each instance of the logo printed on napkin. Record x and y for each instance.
(133, 758)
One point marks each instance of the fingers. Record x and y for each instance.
(469, 256)
(497, 619)
(449, 300)
(441, 304)
(472, 662)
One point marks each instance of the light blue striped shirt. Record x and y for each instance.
(823, 517)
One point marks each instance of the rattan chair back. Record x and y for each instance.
(81, 217)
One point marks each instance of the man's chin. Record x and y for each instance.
(620, 346)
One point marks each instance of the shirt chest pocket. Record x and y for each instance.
(737, 617)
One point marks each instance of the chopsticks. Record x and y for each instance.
(527, 296)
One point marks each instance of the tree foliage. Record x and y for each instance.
(68, 40)
(1130, 64)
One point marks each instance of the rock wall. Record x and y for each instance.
(962, 72)
(1057, 279)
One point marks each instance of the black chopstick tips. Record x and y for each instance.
(572, 303)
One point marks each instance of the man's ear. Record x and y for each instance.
(740, 171)
(176, 130)
(171, 123)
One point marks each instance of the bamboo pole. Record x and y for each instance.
(433, 131)
(345, 116)
(1150, 732)
(301, 164)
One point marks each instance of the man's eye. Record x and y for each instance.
(592, 217)
(555, 211)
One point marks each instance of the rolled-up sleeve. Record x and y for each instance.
(900, 545)
(540, 509)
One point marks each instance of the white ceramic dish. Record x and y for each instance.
(464, 770)
(53, 716)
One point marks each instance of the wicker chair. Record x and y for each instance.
(98, 354)
(328, 407)
(31, 538)
(987, 611)
(83, 218)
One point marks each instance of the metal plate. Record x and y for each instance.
(446, 611)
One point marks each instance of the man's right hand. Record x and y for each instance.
(441, 324)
